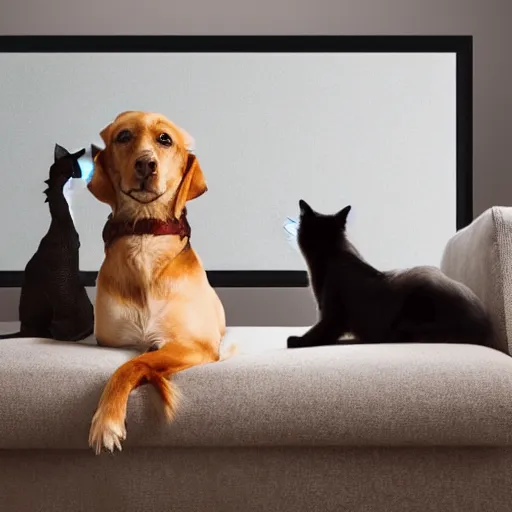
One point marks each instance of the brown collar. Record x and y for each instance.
(115, 229)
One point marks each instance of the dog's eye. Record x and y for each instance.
(124, 136)
(165, 139)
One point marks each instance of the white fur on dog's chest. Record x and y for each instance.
(135, 324)
(139, 326)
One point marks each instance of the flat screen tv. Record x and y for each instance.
(383, 123)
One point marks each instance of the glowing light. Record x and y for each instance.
(290, 227)
(86, 166)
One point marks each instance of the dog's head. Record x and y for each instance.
(146, 168)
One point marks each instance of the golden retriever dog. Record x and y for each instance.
(152, 290)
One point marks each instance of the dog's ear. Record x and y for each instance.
(105, 133)
(192, 185)
(100, 184)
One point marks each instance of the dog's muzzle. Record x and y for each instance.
(145, 167)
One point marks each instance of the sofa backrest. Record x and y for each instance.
(480, 256)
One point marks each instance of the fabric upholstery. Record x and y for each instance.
(402, 428)
(480, 256)
(372, 395)
(280, 479)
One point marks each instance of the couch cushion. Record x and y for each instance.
(480, 256)
(387, 395)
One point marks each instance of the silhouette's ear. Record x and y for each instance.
(94, 151)
(59, 152)
(192, 185)
(78, 154)
(305, 209)
(341, 216)
(100, 185)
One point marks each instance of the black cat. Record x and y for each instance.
(420, 304)
(54, 302)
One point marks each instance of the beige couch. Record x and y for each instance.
(350, 428)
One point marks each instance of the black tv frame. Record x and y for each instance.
(461, 46)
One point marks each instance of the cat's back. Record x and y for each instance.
(429, 278)
(430, 286)
(451, 309)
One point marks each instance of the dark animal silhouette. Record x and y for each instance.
(420, 304)
(54, 303)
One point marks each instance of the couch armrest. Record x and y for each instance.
(480, 256)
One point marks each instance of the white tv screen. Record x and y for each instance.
(373, 129)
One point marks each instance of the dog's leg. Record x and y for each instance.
(108, 424)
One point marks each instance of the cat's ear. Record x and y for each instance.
(59, 152)
(100, 185)
(305, 209)
(341, 216)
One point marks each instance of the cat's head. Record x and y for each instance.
(65, 166)
(319, 232)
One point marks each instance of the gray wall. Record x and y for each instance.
(488, 21)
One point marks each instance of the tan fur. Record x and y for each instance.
(151, 290)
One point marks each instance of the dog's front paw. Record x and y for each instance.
(106, 432)
(294, 342)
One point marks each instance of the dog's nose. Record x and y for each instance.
(144, 167)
